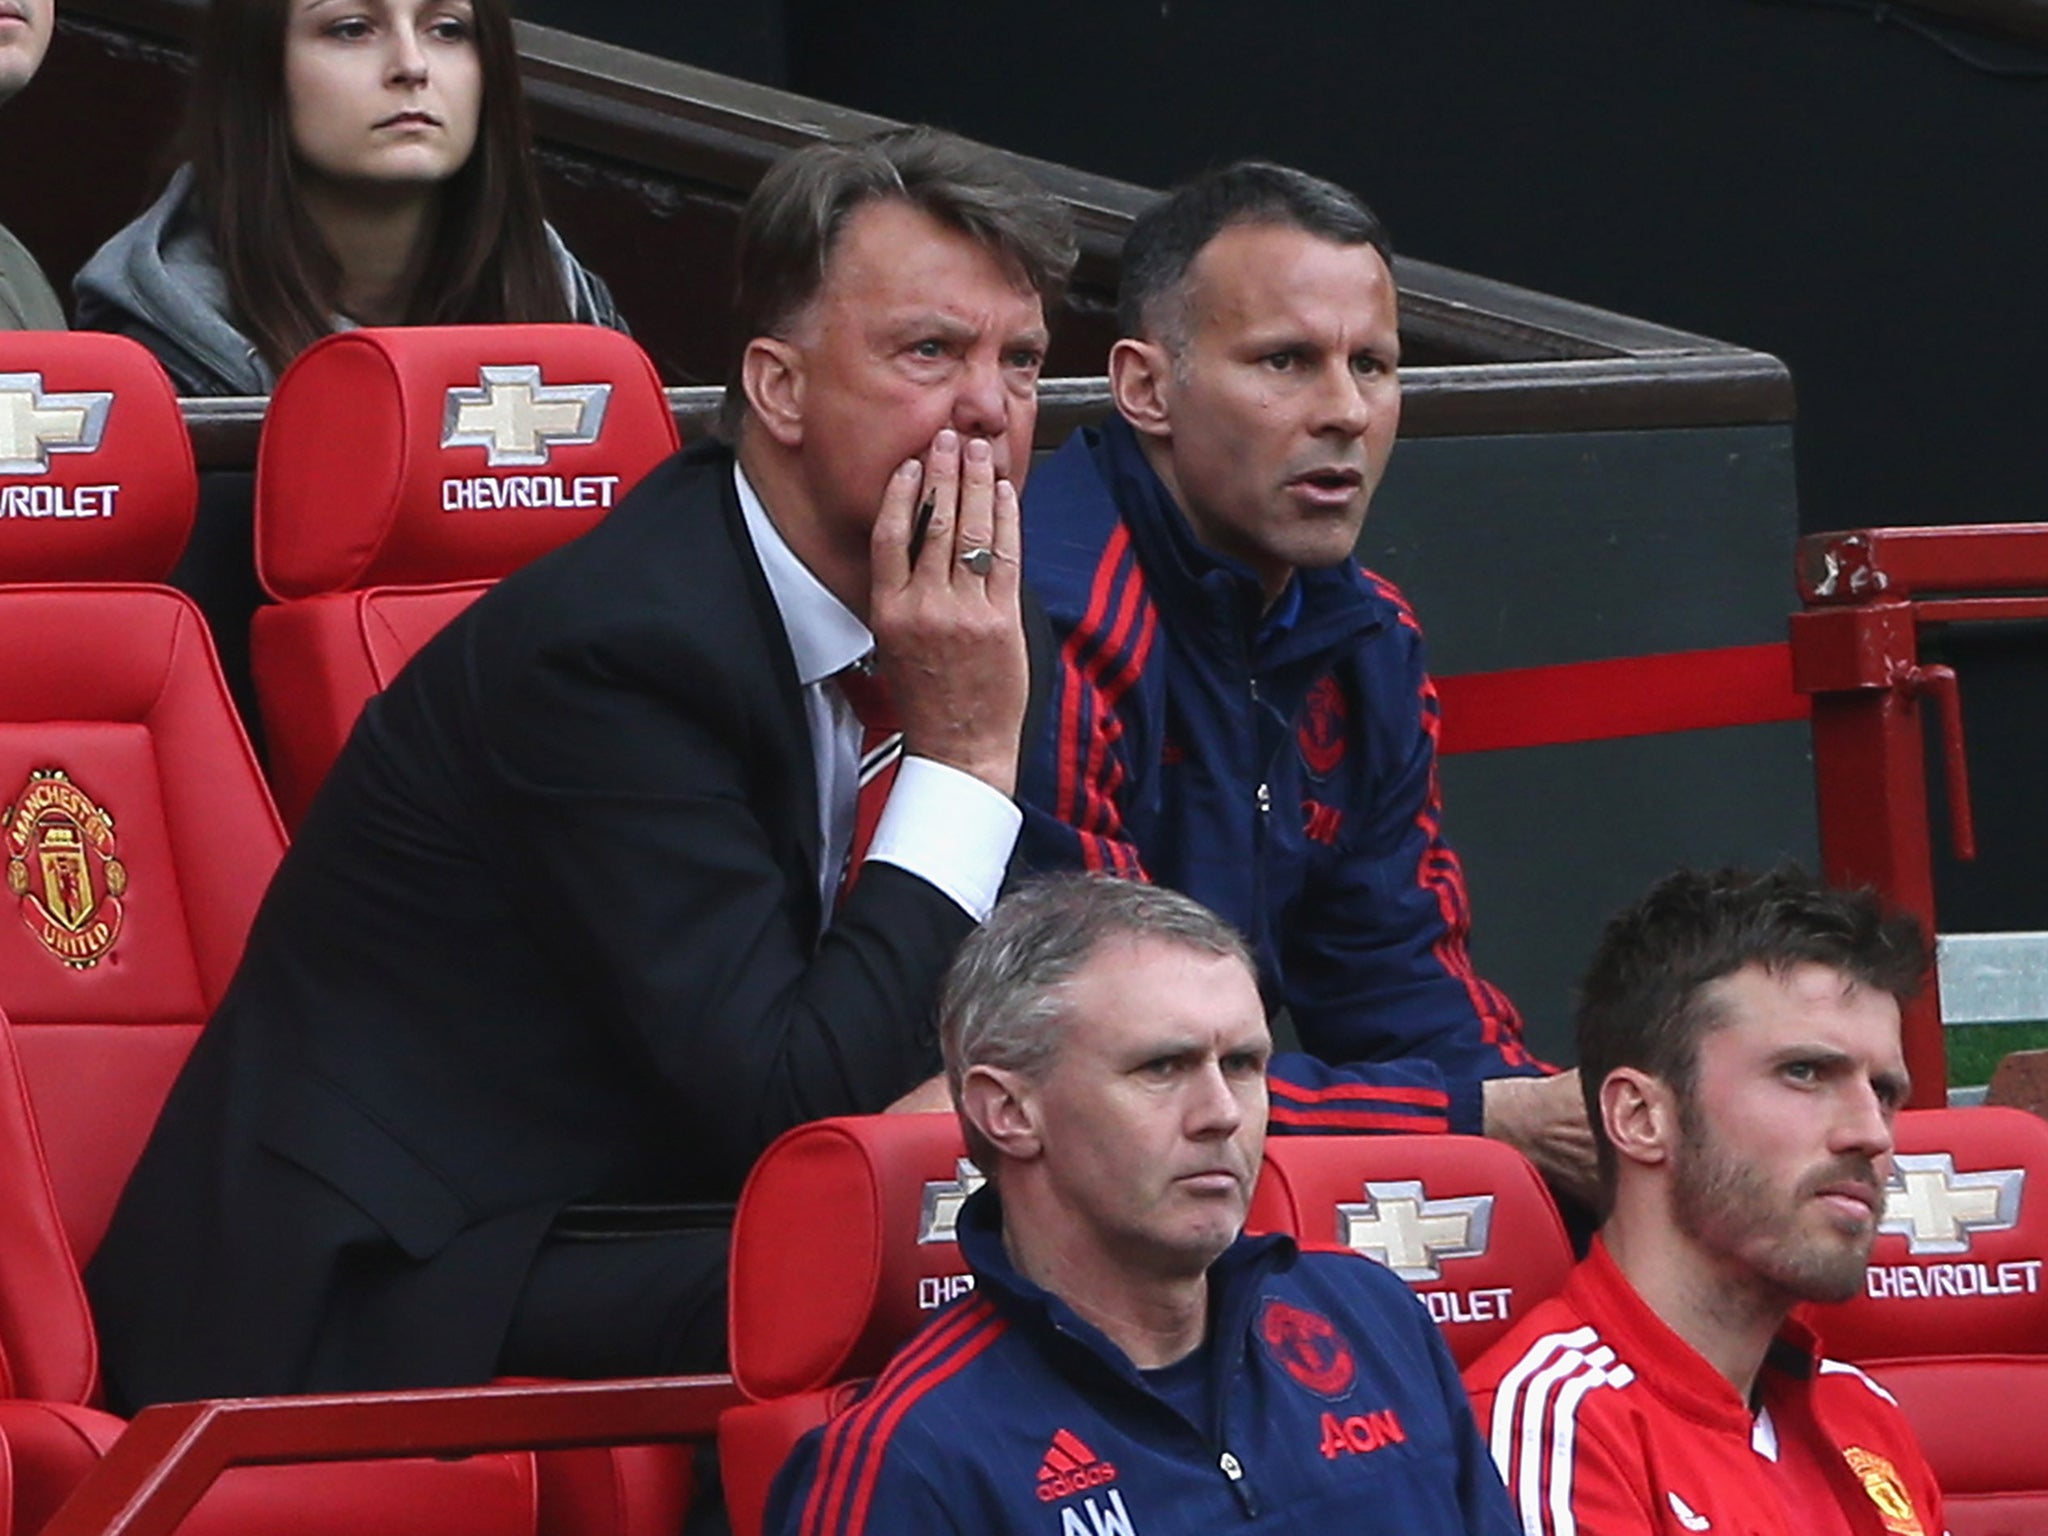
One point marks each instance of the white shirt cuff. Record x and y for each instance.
(950, 829)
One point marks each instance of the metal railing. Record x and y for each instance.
(1856, 651)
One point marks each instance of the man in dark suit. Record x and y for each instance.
(567, 923)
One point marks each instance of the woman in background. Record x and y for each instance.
(351, 162)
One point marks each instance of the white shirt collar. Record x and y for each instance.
(824, 636)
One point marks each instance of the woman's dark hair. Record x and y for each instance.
(488, 260)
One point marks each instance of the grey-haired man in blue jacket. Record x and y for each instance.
(1128, 1362)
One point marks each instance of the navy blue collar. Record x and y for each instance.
(1233, 1290)
(1283, 615)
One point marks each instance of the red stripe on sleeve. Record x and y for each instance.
(1393, 594)
(850, 1459)
(1442, 877)
(1388, 1093)
(1074, 678)
(1358, 1120)
(1111, 684)
(1088, 778)
(890, 1402)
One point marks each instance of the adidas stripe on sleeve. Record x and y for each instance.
(1562, 1482)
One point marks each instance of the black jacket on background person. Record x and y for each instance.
(549, 934)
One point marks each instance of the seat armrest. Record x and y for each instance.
(171, 1454)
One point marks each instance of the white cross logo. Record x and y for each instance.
(1935, 1209)
(943, 1199)
(1411, 1234)
(34, 425)
(516, 419)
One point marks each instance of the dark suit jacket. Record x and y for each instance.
(549, 933)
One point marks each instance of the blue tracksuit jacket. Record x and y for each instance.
(1335, 1405)
(1280, 769)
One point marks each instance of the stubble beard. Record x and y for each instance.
(1728, 1208)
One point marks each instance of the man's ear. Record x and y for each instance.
(1141, 383)
(1641, 1115)
(1001, 1105)
(772, 374)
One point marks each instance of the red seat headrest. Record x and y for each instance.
(96, 476)
(843, 1246)
(1958, 1266)
(448, 453)
(1467, 1222)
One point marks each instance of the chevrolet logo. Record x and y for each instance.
(943, 1199)
(517, 420)
(34, 425)
(1411, 1234)
(1935, 1209)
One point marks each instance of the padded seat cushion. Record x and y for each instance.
(1982, 1420)
(404, 471)
(1960, 1265)
(842, 1246)
(96, 474)
(453, 453)
(1465, 1221)
(317, 661)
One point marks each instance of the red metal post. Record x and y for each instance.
(1912, 562)
(1870, 773)
(1855, 650)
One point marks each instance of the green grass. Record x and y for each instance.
(1975, 1050)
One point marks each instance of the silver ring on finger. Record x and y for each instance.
(979, 560)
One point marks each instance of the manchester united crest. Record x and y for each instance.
(62, 867)
(1308, 1347)
(1881, 1481)
(1321, 732)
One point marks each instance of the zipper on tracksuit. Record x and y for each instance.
(1233, 1469)
(1262, 800)
(1212, 1442)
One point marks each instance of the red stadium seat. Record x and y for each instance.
(1957, 1268)
(401, 472)
(1467, 1222)
(1954, 1316)
(843, 1246)
(139, 837)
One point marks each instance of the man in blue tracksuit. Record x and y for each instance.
(1242, 713)
(1128, 1363)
